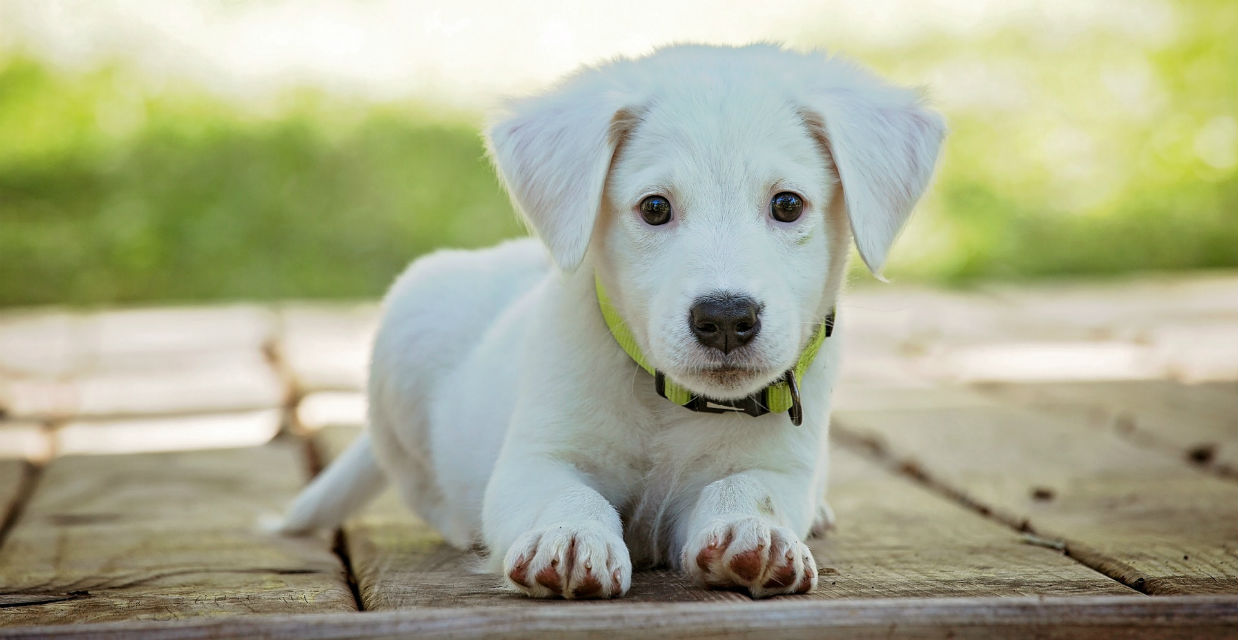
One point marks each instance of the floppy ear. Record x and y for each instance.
(884, 145)
(553, 153)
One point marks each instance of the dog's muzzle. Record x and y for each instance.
(782, 395)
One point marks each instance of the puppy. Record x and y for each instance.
(650, 383)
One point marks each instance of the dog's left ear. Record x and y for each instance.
(884, 144)
(553, 153)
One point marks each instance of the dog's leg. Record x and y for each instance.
(740, 536)
(557, 535)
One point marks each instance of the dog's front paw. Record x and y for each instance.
(748, 553)
(571, 561)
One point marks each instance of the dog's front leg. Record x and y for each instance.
(740, 535)
(556, 534)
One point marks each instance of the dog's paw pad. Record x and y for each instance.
(569, 561)
(749, 554)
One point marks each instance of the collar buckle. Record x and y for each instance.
(753, 405)
(797, 409)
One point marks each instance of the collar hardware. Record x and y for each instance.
(783, 395)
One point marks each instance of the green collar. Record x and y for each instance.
(780, 396)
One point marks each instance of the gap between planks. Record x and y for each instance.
(30, 474)
(1095, 617)
(315, 462)
(274, 352)
(1085, 556)
(1082, 553)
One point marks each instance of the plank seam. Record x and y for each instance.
(31, 473)
(315, 461)
(274, 353)
(984, 618)
(876, 450)
(341, 551)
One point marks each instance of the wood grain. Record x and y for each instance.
(1090, 618)
(1142, 516)
(895, 539)
(1198, 422)
(164, 536)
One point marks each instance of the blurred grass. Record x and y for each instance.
(1101, 152)
(177, 199)
(1102, 157)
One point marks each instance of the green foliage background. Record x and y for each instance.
(111, 194)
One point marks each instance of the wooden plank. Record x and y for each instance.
(327, 347)
(326, 408)
(1184, 322)
(1146, 327)
(1093, 618)
(147, 339)
(23, 439)
(136, 362)
(852, 397)
(895, 539)
(1139, 515)
(400, 562)
(1124, 307)
(165, 536)
(143, 435)
(12, 473)
(1196, 421)
(45, 343)
(231, 381)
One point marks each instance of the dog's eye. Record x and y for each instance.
(786, 207)
(655, 210)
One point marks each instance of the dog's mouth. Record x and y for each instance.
(726, 381)
(728, 373)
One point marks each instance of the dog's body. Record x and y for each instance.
(692, 184)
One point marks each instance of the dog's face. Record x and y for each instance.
(714, 241)
(715, 191)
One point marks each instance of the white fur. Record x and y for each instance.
(505, 412)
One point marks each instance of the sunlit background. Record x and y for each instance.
(181, 151)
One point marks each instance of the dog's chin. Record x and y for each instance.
(724, 382)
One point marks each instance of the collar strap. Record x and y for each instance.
(783, 395)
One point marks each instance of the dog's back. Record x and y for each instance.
(437, 312)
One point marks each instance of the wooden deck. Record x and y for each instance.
(1050, 460)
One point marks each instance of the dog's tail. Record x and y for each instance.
(344, 486)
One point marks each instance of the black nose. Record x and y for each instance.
(725, 321)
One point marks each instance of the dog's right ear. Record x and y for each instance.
(553, 153)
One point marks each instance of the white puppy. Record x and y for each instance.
(705, 197)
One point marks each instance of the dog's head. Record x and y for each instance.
(714, 191)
